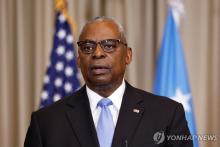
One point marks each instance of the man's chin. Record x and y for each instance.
(100, 81)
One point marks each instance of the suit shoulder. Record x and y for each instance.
(156, 100)
(161, 106)
(52, 110)
(58, 106)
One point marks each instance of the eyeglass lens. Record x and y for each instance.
(108, 45)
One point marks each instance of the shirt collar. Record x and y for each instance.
(115, 97)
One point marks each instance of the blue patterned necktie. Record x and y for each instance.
(105, 127)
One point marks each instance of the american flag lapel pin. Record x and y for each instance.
(136, 110)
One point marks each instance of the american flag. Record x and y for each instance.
(61, 78)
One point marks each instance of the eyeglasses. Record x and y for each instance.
(108, 45)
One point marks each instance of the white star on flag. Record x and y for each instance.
(183, 99)
(46, 79)
(69, 39)
(60, 50)
(68, 71)
(59, 66)
(56, 97)
(68, 87)
(62, 18)
(69, 55)
(61, 34)
(44, 95)
(58, 82)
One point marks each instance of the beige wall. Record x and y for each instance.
(26, 28)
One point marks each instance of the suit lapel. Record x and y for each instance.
(80, 117)
(130, 114)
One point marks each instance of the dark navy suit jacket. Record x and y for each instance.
(69, 122)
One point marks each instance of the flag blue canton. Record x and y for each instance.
(61, 77)
(171, 78)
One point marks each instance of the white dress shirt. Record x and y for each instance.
(115, 97)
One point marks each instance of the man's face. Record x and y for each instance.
(103, 68)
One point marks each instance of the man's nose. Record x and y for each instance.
(99, 52)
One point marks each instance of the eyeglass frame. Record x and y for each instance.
(101, 45)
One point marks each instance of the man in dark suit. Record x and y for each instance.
(135, 118)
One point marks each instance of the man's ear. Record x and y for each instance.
(128, 57)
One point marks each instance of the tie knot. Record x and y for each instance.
(104, 102)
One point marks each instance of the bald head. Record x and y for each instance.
(103, 20)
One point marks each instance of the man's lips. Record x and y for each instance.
(99, 69)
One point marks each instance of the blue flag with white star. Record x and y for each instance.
(171, 78)
(61, 76)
